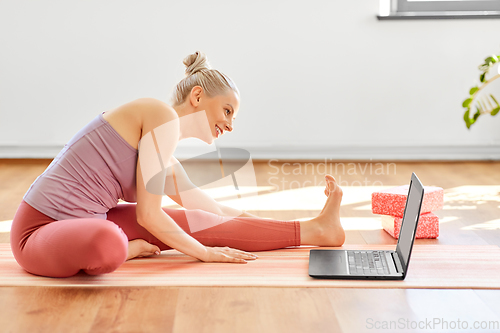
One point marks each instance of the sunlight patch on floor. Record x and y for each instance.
(459, 207)
(169, 203)
(361, 223)
(313, 197)
(356, 223)
(447, 219)
(490, 225)
(5, 225)
(468, 197)
(305, 198)
(225, 191)
(472, 193)
(364, 207)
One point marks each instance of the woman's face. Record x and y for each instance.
(221, 111)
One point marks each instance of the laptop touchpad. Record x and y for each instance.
(328, 262)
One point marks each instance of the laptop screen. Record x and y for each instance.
(410, 220)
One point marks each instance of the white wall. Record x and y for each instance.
(319, 79)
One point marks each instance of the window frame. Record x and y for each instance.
(424, 9)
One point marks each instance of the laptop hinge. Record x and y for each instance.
(397, 263)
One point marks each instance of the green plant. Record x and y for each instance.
(484, 103)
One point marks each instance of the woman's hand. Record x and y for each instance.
(227, 254)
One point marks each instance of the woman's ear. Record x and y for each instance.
(196, 94)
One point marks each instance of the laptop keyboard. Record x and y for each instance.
(367, 263)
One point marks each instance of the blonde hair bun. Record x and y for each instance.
(196, 62)
(199, 73)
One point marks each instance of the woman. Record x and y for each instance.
(70, 219)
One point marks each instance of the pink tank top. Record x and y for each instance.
(88, 176)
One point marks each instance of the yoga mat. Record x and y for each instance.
(431, 266)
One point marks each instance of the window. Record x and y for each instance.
(428, 9)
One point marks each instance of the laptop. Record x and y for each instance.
(374, 264)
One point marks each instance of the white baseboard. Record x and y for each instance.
(334, 153)
(379, 153)
(27, 151)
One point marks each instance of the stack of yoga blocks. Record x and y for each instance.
(390, 204)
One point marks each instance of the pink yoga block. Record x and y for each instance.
(428, 225)
(392, 201)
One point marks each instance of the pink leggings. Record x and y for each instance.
(44, 246)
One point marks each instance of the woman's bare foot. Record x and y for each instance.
(141, 248)
(325, 230)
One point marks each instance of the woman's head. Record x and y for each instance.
(199, 73)
(206, 89)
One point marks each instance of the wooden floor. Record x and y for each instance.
(470, 217)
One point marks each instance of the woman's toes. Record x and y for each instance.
(331, 184)
(330, 177)
(156, 250)
(150, 249)
(141, 248)
(330, 180)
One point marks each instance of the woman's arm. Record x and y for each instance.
(192, 196)
(160, 121)
(161, 225)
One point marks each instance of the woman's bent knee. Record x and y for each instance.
(63, 248)
(107, 249)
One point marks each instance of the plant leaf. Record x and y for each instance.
(481, 78)
(476, 115)
(473, 90)
(493, 98)
(467, 119)
(495, 111)
(466, 103)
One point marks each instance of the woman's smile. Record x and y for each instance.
(218, 131)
